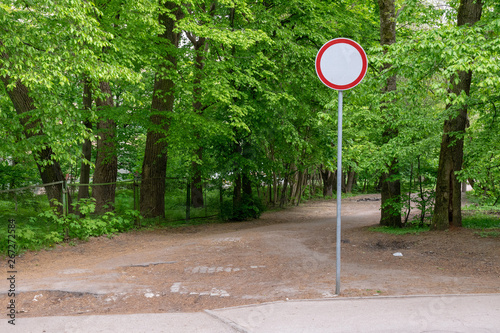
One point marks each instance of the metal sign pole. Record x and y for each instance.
(339, 190)
(341, 64)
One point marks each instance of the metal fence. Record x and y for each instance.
(29, 201)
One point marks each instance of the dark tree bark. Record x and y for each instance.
(154, 166)
(391, 187)
(106, 164)
(284, 198)
(328, 178)
(297, 188)
(391, 197)
(246, 186)
(51, 173)
(301, 183)
(83, 191)
(447, 208)
(49, 169)
(237, 198)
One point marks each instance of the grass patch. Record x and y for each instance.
(408, 230)
(481, 208)
(489, 224)
(481, 221)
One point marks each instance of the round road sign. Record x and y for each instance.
(341, 64)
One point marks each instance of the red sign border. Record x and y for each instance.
(323, 49)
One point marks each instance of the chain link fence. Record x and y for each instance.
(31, 200)
(27, 201)
(40, 224)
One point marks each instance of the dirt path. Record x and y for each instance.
(288, 254)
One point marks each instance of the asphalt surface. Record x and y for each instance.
(440, 313)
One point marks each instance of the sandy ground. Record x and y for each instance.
(287, 254)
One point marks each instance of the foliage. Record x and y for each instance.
(83, 224)
(479, 215)
(261, 110)
(481, 221)
(248, 208)
(49, 227)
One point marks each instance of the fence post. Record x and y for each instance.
(135, 195)
(136, 204)
(221, 195)
(68, 194)
(188, 200)
(64, 199)
(65, 208)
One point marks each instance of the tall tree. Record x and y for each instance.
(106, 170)
(447, 209)
(39, 71)
(83, 191)
(49, 169)
(154, 166)
(200, 47)
(391, 185)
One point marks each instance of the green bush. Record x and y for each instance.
(85, 224)
(251, 207)
(49, 227)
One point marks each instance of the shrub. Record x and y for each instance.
(250, 207)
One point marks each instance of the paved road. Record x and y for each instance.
(450, 313)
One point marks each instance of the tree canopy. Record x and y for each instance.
(226, 91)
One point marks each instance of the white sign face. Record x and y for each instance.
(341, 64)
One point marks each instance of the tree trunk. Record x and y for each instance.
(284, 199)
(408, 209)
(154, 166)
(294, 183)
(246, 186)
(343, 186)
(106, 163)
(391, 197)
(274, 194)
(423, 200)
(471, 182)
(351, 175)
(302, 185)
(49, 169)
(197, 183)
(297, 187)
(328, 182)
(83, 191)
(199, 64)
(447, 208)
(237, 193)
(391, 187)
(51, 173)
(313, 184)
